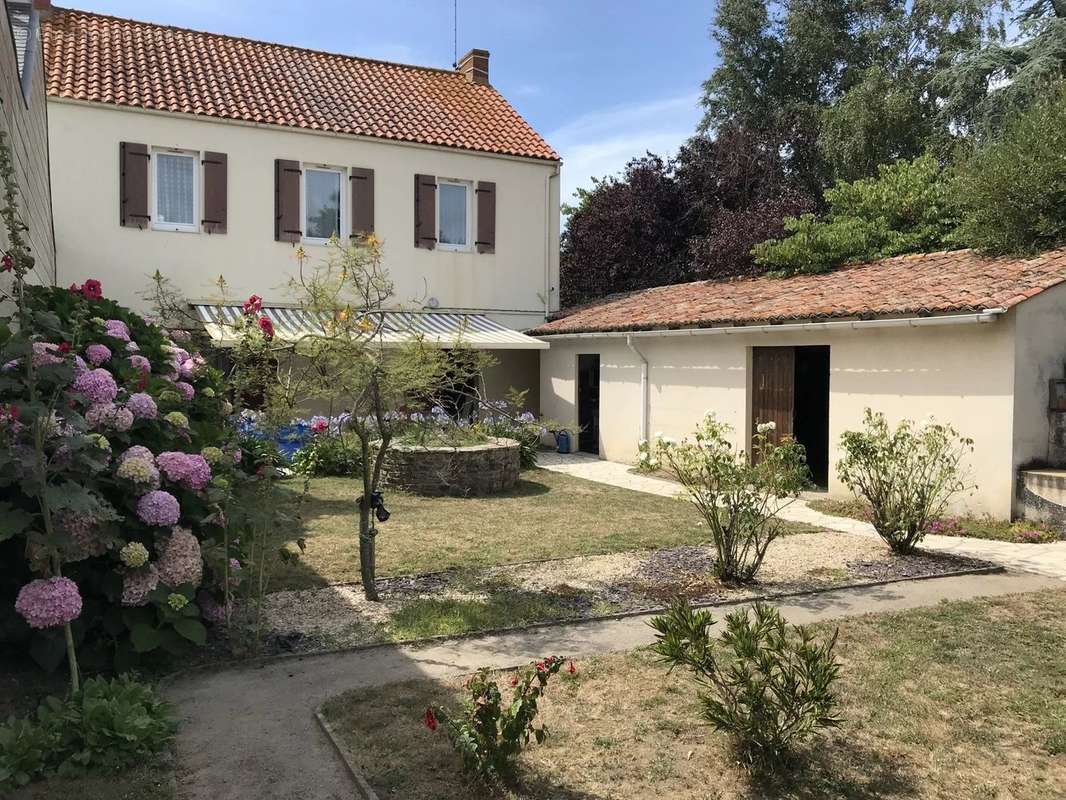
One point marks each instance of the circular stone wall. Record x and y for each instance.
(458, 471)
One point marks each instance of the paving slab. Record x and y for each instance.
(249, 733)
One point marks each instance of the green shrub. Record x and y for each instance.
(738, 494)
(489, 734)
(907, 475)
(1012, 191)
(106, 727)
(772, 689)
(329, 455)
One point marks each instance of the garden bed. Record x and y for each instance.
(460, 601)
(625, 727)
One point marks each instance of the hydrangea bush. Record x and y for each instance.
(116, 467)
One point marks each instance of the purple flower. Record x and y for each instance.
(180, 561)
(44, 353)
(49, 602)
(97, 385)
(137, 584)
(98, 354)
(191, 470)
(159, 508)
(117, 329)
(138, 451)
(132, 347)
(110, 416)
(213, 611)
(186, 389)
(85, 533)
(142, 406)
(141, 363)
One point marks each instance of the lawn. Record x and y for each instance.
(965, 700)
(548, 515)
(1023, 532)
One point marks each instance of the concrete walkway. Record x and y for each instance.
(249, 734)
(1044, 559)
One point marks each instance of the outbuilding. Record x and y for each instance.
(968, 339)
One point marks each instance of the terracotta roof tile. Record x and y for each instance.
(123, 62)
(928, 283)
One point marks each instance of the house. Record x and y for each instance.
(24, 122)
(969, 339)
(199, 155)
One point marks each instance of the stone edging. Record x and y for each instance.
(261, 661)
(363, 789)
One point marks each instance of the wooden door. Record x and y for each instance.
(773, 388)
(588, 403)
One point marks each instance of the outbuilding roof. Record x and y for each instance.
(123, 62)
(913, 285)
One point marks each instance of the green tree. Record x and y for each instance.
(1012, 191)
(908, 207)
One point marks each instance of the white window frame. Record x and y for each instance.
(342, 182)
(196, 201)
(469, 186)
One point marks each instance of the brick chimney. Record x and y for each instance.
(43, 8)
(475, 66)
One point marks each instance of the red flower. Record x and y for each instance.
(571, 669)
(319, 426)
(514, 679)
(267, 327)
(430, 719)
(92, 290)
(75, 289)
(7, 263)
(64, 347)
(13, 412)
(253, 305)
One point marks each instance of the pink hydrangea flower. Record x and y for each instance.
(141, 363)
(191, 470)
(109, 416)
(142, 406)
(132, 347)
(97, 385)
(212, 611)
(137, 584)
(117, 329)
(180, 561)
(186, 389)
(159, 508)
(84, 532)
(49, 602)
(138, 451)
(98, 354)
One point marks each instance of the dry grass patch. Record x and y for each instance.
(548, 515)
(961, 701)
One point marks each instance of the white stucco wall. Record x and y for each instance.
(963, 374)
(516, 283)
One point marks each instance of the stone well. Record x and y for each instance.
(456, 471)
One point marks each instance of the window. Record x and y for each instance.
(453, 215)
(322, 204)
(176, 193)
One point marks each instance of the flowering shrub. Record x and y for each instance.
(907, 475)
(647, 459)
(774, 687)
(105, 494)
(737, 494)
(489, 734)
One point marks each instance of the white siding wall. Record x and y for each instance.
(962, 374)
(85, 183)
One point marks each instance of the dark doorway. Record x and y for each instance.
(790, 387)
(588, 403)
(810, 422)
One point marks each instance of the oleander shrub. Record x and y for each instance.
(767, 684)
(908, 474)
(106, 727)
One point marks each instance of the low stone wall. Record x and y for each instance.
(1042, 497)
(456, 471)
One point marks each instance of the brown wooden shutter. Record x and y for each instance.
(287, 201)
(133, 185)
(215, 192)
(773, 389)
(362, 181)
(486, 217)
(425, 211)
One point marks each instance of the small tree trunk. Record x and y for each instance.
(366, 551)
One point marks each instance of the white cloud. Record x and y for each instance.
(600, 143)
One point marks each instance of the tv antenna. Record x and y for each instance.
(455, 34)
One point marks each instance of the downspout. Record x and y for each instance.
(643, 388)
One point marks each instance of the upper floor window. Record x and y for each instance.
(176, 193)
(453, 215)
(322, 203)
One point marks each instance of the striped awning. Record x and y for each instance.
(443, 329)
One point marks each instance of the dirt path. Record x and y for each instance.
(249, 733)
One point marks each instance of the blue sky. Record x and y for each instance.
(602, 81)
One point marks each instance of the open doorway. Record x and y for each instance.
(790, 387)
(588, 403)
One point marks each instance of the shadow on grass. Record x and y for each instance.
(838, 767)
(430, 616)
